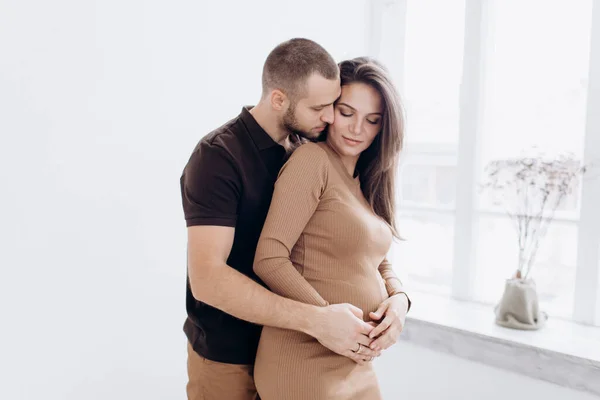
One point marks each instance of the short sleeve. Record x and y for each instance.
(210, 187)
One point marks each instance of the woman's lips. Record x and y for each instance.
(352, 142)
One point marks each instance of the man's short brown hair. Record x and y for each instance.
(291, 63)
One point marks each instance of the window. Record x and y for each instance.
(424, 258)
(431, 79)
(533, 57)
(535, 95)
(433, 67)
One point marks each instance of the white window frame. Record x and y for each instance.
(586, 308)
(470, 131)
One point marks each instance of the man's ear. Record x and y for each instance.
(279, 100)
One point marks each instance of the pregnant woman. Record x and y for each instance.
(325, 240)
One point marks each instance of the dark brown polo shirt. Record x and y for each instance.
(228, 181)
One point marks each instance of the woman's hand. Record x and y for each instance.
(340, 328)
(393, 311)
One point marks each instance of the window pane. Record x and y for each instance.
(432, 73)
(433, 65)
(553, 271)
(537, 77)
(428, 180)
(424, 259)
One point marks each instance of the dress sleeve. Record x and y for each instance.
(298, 190)
(393, 284)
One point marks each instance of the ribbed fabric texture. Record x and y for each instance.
(321, 244)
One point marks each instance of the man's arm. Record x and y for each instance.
(338, 327)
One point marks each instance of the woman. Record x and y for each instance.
(330, 225)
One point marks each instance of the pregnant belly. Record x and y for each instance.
(364, 293)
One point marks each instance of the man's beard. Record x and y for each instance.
(290, 123)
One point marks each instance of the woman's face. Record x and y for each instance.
(358, 119)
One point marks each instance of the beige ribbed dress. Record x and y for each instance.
(321, 244)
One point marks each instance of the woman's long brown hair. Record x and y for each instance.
(378, 164)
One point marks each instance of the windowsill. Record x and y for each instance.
(563, 352)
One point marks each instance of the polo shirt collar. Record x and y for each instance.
(261, 139)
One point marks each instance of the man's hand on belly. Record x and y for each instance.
(392, 314)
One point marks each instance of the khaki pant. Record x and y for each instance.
(211, 380)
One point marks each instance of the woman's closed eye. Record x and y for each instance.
(345, 113)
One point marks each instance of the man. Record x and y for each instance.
(226, 190)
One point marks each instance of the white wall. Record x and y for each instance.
(101, 103)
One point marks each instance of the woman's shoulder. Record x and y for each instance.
(314, 152)
(308, 160)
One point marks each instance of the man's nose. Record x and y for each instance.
(328, 115)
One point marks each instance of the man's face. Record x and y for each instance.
(311, 114)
